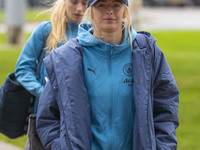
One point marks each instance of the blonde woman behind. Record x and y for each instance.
(63, 25)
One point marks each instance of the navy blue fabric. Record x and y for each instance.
(14, 108)
(92, 2)
(63, 119)
(69, 128)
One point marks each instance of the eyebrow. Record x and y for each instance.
(117, 1)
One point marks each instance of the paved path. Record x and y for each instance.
(155, 18)
(181, 18)
(5, 146)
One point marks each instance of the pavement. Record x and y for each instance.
(151, 18)
(170, 18)
(6, 146)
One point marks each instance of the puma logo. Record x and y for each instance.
(92, 70)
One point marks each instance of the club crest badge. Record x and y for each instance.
(128, 69)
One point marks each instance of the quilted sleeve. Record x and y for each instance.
(166, 103)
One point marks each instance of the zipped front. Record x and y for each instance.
(111, 96)
(109, 84)
(108, 74)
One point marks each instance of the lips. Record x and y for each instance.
(78, 15)
(109, 19)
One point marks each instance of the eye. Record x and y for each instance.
(100, 4)
(117, 4)
(74, 2)
(84, 3)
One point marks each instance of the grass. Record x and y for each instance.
(182, 50)
(19, 142)
(33, 16)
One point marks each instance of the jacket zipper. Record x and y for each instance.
(111, 97)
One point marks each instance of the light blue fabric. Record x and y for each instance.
(109, 81)
(31, 52)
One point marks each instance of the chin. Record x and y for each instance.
(110, 29)
(78, 21)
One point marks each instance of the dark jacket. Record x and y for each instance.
(63, 119)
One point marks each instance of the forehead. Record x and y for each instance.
(109, 1)
(79, 0)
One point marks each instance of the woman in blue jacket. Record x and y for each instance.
(66, 15)
(115, 92)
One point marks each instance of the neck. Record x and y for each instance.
(115, 38)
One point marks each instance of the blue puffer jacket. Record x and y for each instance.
(64, 121)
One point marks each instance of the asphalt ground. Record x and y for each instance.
(153, 18)
(170, 18)
(6, 146)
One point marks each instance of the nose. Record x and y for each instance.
(80, 7)
(109, 10)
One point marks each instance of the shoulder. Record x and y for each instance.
(69, 51)
(145, 45)
(43, 28)
(68, 55)
(143, 39)
(45, 24)
(71, 47)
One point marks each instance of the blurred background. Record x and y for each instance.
(174, 23)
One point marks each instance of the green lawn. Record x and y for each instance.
(182, 50)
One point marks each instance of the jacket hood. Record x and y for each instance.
(86, 38)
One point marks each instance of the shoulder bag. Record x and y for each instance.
(15, 105)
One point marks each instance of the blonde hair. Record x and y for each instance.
(58, 23)
(127, 21)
